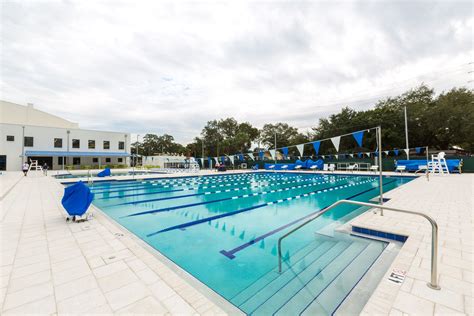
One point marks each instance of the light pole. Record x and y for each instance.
(275, 158)
(136, 149)
(202, 154)
(406, 134)
(23, 158)
(67, 157)
(125, 150)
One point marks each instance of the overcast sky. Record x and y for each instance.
(169, 67)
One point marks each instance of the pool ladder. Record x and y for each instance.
(434, 234)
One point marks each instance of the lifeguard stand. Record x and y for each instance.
(438, 164)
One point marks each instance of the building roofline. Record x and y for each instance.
(67, 128)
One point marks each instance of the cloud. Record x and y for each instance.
(169, 67)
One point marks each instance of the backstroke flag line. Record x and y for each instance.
(335, 141)
(316, 146)
(300, 148)
(272, 153)
(358, 136)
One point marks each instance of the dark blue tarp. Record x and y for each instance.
(278, 166)
(413, 165)
(319, 163)
(308, 163)
(300, 163)
(77, 198)
(104, 173)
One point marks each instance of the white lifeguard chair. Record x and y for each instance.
(34, 166)
(438, 164)
(193, 165)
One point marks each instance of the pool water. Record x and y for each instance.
(114, 173)
(224, 230)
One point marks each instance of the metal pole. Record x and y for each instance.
(406, 134)
(67, 157)
(275, 150)
(427, 162)
(202, 155)
(137, 149)
(23, 147)
(434, 256)
(379, 144)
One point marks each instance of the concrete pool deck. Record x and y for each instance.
(49, 266)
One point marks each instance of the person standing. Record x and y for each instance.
(45, 169)
(25, 168)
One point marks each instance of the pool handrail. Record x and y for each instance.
(434, 234)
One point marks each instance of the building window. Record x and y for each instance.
(28, 141)
(120, 159)
(58, 143)
(122, 145)
(91, 144)
(76, 160)
(106, 144)
(60, 160)
(107, 159)
(10, 138)
(95, 160)
(76, 143)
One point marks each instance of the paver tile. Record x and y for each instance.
(127, 295)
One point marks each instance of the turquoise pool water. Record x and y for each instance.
(114, 173)
(223, 230)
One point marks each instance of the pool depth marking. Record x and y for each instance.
(207, 219)
(231, 253)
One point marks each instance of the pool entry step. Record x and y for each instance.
(314, 281)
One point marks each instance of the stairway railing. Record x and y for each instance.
(434, 234)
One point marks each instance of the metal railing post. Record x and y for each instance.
(434, 235)
(379, 141)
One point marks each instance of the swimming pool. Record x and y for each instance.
(223, 230)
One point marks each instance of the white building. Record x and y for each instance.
(27, 133)
(165, 161)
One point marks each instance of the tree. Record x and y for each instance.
(153, 144)
(438, 122)
(286, 135)
(227, 136)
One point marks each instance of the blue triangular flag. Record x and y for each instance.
(285, 151)
(358, 136)
(396, 152)
(316, 145)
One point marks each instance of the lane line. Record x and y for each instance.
(144, 187)
(207, 219)
(308, 183)
(166, 209)
(231, 253)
